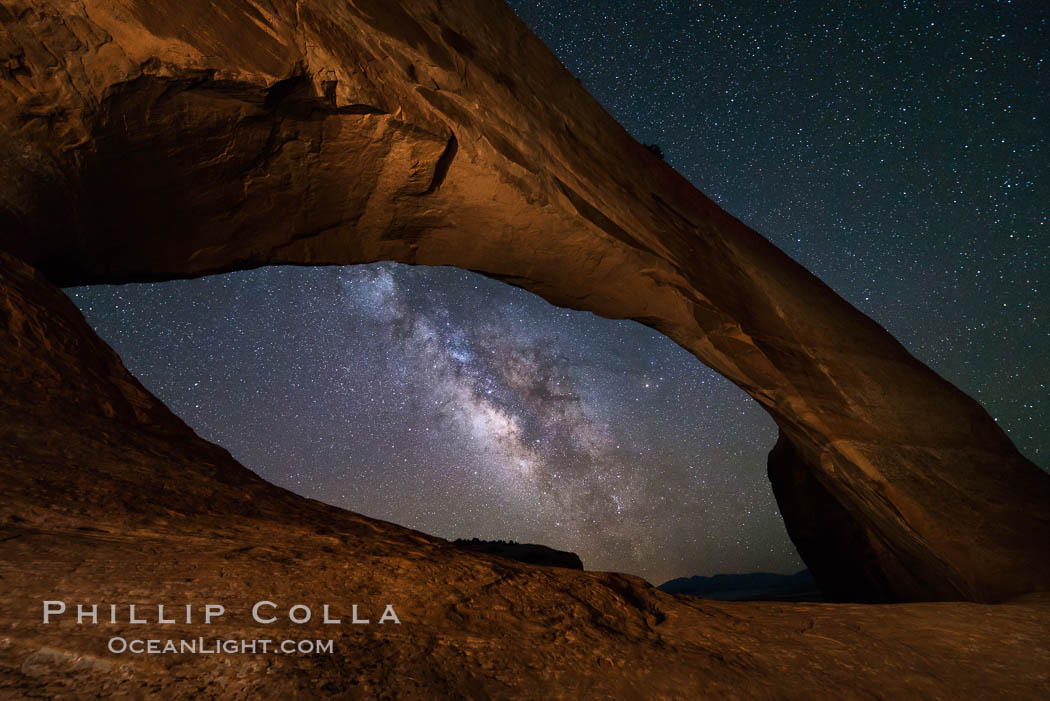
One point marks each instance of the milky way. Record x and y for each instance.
(452, 403)
(899, 152)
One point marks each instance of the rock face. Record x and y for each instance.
(531, 553)
(153, 139)
(108, 498)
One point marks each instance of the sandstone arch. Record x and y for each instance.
(153, 139)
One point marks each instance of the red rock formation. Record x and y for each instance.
(151, 139)
(108, 498)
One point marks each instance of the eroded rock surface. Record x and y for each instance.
(109, 498)
(152, 139)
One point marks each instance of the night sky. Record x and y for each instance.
(901, 155)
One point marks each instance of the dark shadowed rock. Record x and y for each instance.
(522, 552)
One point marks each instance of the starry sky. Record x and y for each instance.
(898, 150)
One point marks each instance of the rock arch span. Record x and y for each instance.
(154, 139)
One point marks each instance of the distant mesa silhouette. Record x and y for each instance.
(530, 553)
(755, 586)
